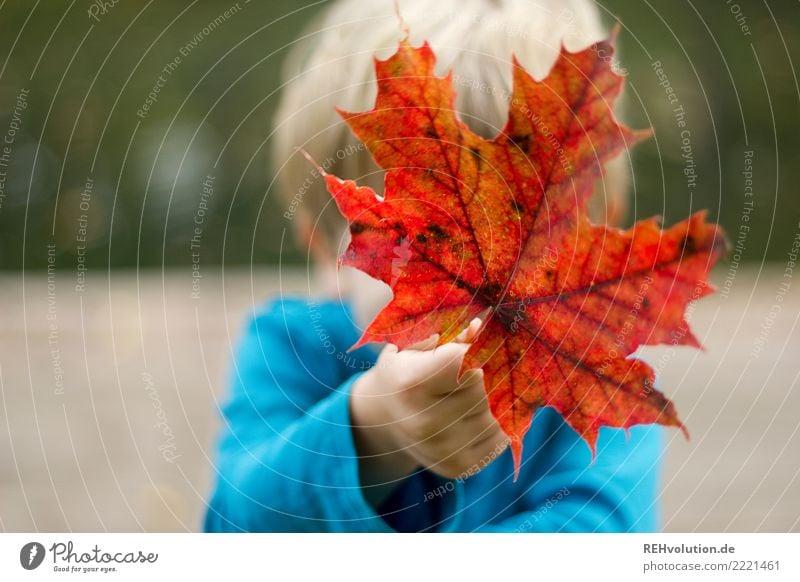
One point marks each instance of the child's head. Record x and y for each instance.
(331, 65)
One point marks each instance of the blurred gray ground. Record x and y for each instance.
(136, 352)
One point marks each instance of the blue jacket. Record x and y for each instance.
(287, 462)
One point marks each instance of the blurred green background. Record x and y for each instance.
(87, 77)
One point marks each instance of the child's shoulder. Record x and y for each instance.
(316, 332)
(280, 306)
(294, 306)
(299, 315)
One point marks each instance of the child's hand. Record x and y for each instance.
(410, 411)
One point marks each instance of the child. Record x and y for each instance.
(319, 439)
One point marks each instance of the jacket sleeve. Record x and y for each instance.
(617, 491)
(286, 459)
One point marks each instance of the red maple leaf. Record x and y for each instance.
(469, 227)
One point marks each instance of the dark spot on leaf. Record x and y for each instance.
(429, 132)
(508, 315)
(476, 153)
(357, 228)
(438, 233)
(491, 289)
(522, 141)
(535, 403)
(549, 273)
(421, 238)
(688, 245)
(645, 303)
(518, 208)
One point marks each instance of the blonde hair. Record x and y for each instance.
(331, 65)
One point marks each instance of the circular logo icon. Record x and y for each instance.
(31, 555)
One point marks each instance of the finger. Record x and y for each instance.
(470, 380)
(466, 336)
(448, 358)
(426, 344)
(489, 437)
(447, 382)
(462, 337)
(474, 328)
(489, 451)
(387, 351)
(463, 405)
(471, 377)
(474, 455)
(434, 370)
